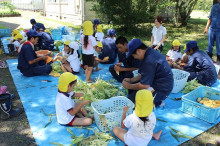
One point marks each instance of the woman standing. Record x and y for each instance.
(158, 34)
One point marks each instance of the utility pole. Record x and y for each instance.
(44, 8)
(60, 9)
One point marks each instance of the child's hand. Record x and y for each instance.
(85, 102)
(125, 109)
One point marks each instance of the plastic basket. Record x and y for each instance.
(180, 79)
(56, 37)
(217, 67)
(192, 107)
(5, 32)
(113, 109)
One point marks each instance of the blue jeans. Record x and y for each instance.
(122, 75)
(213, 36)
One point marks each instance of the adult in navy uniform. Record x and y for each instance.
(124, 67)
(154, 72)
(199, 65)
(29, 63)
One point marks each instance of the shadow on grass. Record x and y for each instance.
(11, 26)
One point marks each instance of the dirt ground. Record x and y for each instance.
(17, 132)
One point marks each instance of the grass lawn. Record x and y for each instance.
(193, 31)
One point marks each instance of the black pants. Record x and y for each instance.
(160, 49)
(122, 74)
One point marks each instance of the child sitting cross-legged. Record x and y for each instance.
(66, 109)
(141, 123)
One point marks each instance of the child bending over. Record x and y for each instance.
(66, 109)
(141, 123)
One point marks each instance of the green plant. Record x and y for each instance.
(8, 5)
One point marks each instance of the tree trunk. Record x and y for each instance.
(176, 13)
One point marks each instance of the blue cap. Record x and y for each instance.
(133, 45)
(32, 21)
(39, 26)
(32, 33)
(96, 21)
(111, 32)
(190, 44)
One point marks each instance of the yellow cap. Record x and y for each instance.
(64, 81)
(67, 42)
(21, 29)
(143, 103)
(99, 28)
(99, 44)
(176, 43)
(18, 36)
(47, 30)
(87, 28)
(15, 31)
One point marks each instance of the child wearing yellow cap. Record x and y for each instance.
(64, 54)
(88, 48)
(99, 35)
(141, 123)
(66, 109)
(174, 55)
(17, 41)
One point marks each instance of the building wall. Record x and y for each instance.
(28, 4)
(71, 10)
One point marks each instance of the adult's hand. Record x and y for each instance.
(127, 80)
(205, 31)
(44, 58)
(156, 48)
(117, 68)
(126, 84)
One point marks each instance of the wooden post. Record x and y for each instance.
(44, 8)
(60, 9)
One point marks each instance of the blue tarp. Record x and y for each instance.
(36, 95)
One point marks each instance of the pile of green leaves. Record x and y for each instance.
(98, 90)
(56, 67)
(58, 43)
(191, 85)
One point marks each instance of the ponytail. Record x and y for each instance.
(86, 41)
(144, 119)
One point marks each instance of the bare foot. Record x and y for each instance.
(90, 80)
(79, 115)
(156, 136)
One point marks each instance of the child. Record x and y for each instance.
(14, 33)
(65, 53)
(98, 49)
(99, 35)
(88, 47)
(17, 41)
(73, 61)
(174, 54)
(66, 109)
(141, 123)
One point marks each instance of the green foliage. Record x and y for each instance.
(126, 14)
(8, 5)
(204, 5)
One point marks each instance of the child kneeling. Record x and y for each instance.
(140, 124)
(66, 109)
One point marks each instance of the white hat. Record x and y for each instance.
(74, 45)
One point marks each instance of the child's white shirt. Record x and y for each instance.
(174, 55)
(138, 134)
(158, 34)
(99, 36)
(16, 45)
(74, 62)
(96, 54)
(64, 54)
(90, 47)
(63, 105)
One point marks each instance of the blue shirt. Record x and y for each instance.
(26, 54)
(109, 49)
(200, 63)
(215, 17)
(156, 72)
(128, 62)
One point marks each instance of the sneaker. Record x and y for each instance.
(3, 64)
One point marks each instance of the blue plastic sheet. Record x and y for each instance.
(36, 95)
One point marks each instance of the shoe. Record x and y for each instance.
(15, 112)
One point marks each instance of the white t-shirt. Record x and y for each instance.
(63, 104)
(174, 55)
(23, 33)
(74, 62)
(64, 54)
(99, 36)
(16, 44)
(96, 54)
(158, 34)
(138, 134)
(90, 47)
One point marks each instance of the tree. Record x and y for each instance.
(125, 13)
(183, 8)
